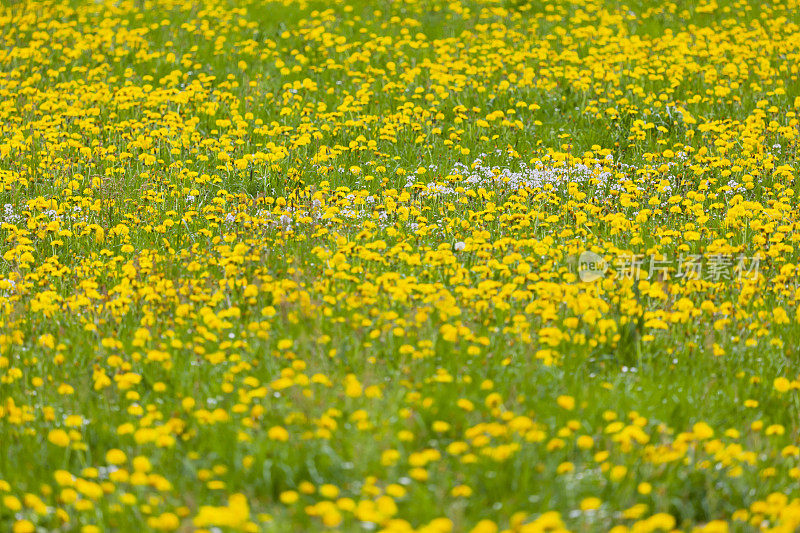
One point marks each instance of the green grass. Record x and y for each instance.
(263, 247)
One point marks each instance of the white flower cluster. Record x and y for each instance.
(9, 215)
(540, 175)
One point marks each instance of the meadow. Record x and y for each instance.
(399, 265)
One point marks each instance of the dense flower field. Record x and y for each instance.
(431, 265)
